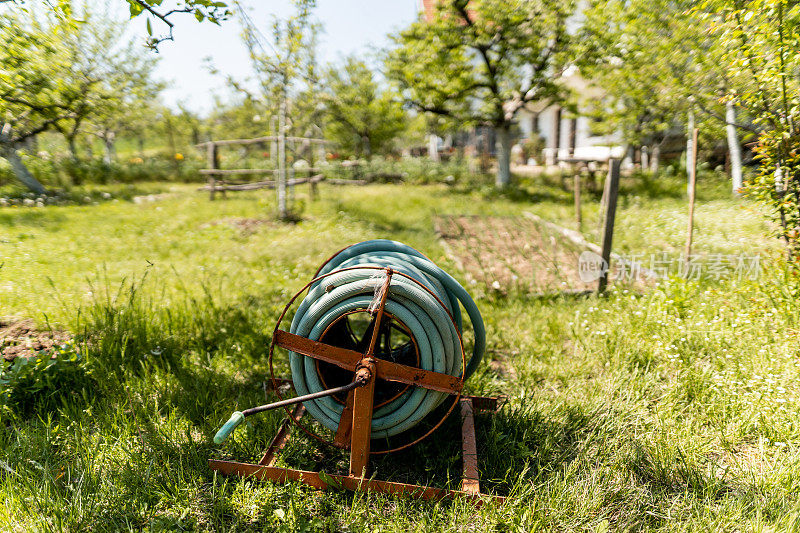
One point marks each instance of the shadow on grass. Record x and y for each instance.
(522, 444)
(384, 220)
(520, 191)
(40, 218)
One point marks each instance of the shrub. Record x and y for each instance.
(68, 172)
(418, 170)
(46, 378)
(777, 185)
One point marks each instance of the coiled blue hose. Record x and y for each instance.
(437, 338)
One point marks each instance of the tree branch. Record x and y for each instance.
(724, 120)
(44, 126)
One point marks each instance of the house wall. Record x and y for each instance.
(587, 146)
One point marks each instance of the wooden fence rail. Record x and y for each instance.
(219, 183)
(313, 181)
(258, 140)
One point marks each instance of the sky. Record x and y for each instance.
(350, 27)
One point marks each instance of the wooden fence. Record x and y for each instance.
(219, 179)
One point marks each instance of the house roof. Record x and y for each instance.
(428, 8)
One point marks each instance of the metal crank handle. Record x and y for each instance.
(238, 416)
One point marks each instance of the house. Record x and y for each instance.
(569, 137)
(565, 136)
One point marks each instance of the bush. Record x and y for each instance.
(532, 148)
(45, 379)
(67, 172)
(777, 185)
(418, 170)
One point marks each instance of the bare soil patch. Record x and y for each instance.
(247, 226)
(512, 253)
(20, 338)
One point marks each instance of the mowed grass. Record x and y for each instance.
(673, 408)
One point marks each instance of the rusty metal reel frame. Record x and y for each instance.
(453, 386)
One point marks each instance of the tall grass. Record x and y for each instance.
(672, 408)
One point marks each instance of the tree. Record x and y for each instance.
(656, 64)
(481, 61)
(634, 54)
(759, 41)
(210, 10)
(115, 77)
(34, 94)
(286, 67)
(362, 118)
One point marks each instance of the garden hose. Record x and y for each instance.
(349, 289)
(424, 311)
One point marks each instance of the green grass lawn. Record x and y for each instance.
(672, 408)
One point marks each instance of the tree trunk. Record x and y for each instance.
(111, 151)
(503, 147)
(734, 147)
(690, 148)
(73, 149)
(655, 159)
(433, 147)
(21, 171)
(367, 147)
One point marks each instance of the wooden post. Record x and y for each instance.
(577, 187)
(213, 163)
(281, 181)
(312, 164)
(557, 132)
(611, 191)
(312, 183)
(469, 482)
(573, 136)
(290, 179)
(601, 214)
(692, 186)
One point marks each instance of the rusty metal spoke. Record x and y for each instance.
(416, 376)
(341, 357)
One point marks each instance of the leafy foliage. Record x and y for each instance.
(361, 118)
(482, 61)
(118, 77)
(40, 381)
(285, 64)
(211, 10)
(37, 89)
(653, 63)
(760, 40)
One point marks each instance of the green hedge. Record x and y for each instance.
(67, 172)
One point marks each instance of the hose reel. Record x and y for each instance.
(374, 347)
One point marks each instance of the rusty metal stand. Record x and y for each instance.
(355, 424)
(358, 480)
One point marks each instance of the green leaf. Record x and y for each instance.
(136, 8)
(149, 28)
(199, 15)
(330, 481)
